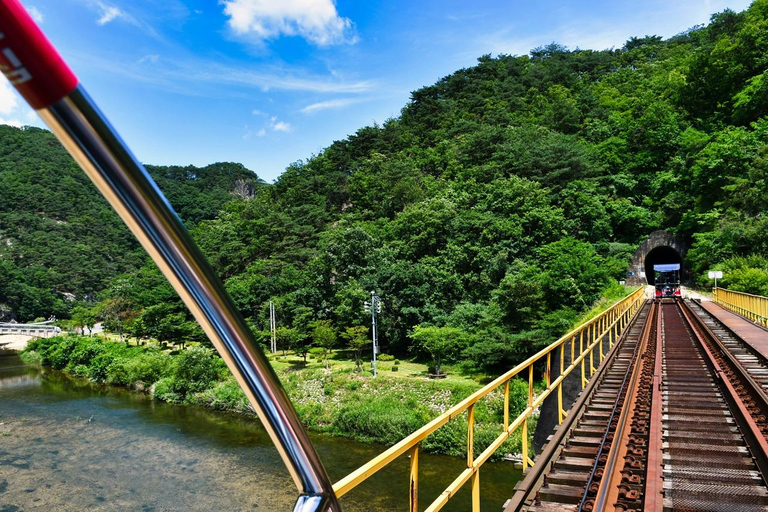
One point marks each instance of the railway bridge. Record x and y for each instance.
(672, 414)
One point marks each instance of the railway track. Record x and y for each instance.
(676, 420)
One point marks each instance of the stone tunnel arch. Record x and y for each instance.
(659, 255)
(659, 247)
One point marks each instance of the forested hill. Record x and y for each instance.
(60, 240)
(507, 197)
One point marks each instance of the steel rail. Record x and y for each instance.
(531, 483)
(608, 490)
(34, 67)
(627, 386)
(653, 498)
(745, 419)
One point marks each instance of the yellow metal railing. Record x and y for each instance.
(586, 351)
(754, 307)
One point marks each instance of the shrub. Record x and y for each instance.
(57, 357)
(197, 369)
(80, 371)
(117, 373)
(386, 357)
(99, 367)
(224, 396)
(84, 350)
(167, 389)
(32, 357)
(384, 419)
(148, 367)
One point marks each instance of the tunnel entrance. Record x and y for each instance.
(660, 255)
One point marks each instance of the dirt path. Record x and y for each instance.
(14, 341)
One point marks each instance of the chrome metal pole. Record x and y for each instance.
(127, 186)
(32, 65)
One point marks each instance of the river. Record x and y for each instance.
(67, 444)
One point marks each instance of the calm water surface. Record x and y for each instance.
(70, 445)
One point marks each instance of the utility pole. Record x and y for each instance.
(374, 306)
(272, 327)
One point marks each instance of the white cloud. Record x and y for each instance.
(282, 126)
(8, 99)
(261, 133)
(35, 13)
(110, 13)
(190, 76)
(317, 21)
(149, 58)
(330, 104)
(11, 122)
(10, 105)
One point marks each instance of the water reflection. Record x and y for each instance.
(66, 444)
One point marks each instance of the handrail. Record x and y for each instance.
(608, 324)
(753, 307)
(37, 71)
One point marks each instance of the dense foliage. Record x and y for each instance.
(60, 241)
(499, 205)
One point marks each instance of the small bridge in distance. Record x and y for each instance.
(15, 336)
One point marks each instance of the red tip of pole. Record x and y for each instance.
(29, 61)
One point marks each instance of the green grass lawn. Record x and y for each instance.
(343, 361)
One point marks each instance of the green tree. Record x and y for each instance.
(440, 342)
(84, 317)
(118, 314)
(357, 340)
(325, 337)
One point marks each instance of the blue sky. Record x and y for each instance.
(270, 82)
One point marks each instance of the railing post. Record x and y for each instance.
(476, 491)
(530, 385)
(413, 489)
(581, 354)
(525, 421)
(560, 386)
(549, 369)
(602, 340)
(525, 444)
(506, 405)
(470, 435)
(562, 356)
(596, 335)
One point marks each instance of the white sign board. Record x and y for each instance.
(715, 274)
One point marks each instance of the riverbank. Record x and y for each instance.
(341, 402)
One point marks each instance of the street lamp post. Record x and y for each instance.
(374, 306)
